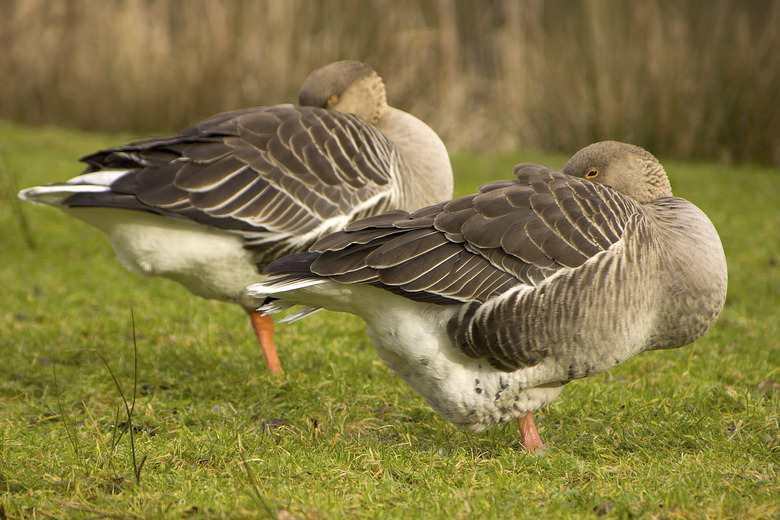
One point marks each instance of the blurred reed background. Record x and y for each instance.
(686, 79)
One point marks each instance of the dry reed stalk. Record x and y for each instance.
(685, 79)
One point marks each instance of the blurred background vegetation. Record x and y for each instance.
(685, 79)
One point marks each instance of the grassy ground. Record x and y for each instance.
(689, 433)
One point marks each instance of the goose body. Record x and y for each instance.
(212, 205)
(489, 304)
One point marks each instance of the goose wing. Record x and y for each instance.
(271, 174)
(474, 248)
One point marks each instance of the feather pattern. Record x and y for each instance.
(278, 172)
(476, 247)
(489, 304)
(216, 202)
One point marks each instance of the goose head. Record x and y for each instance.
(347, 86)
(628, 169)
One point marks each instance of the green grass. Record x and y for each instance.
(688, 433)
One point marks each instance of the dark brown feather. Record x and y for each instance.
(474, 248)
(285, 169)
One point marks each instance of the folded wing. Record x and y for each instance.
(283, 173)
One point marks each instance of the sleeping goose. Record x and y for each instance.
(489, 304)
(210, 206)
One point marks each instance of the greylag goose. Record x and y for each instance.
(210, 206)
(487, 305)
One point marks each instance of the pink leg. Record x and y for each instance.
(264, 330)
(528, 434)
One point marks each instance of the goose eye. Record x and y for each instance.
(332, 100)
(592, 173)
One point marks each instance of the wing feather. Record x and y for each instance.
(511, 234)
(286, 169)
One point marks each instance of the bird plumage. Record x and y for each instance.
(488, 304)
(212, 205)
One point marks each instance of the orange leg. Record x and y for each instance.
(528, 434)
(264, 330)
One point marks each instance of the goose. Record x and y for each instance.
(212, 205)
(487, 305)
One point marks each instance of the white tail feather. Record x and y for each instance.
(274, 307)
(98, 178)
(54, 194)
(280, 305)
(271, 287)
(306, 311)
